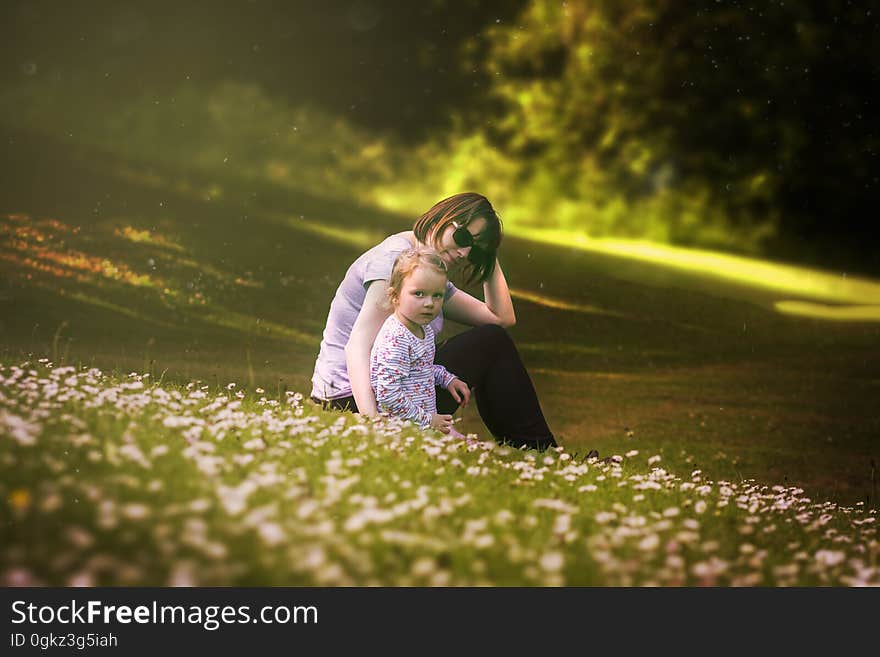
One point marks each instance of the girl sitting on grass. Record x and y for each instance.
(402, 369)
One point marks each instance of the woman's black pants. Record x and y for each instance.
(486, 359)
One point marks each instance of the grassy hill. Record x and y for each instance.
(130, 265)
(158, 332)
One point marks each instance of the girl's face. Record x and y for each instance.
(420, 298)
(451, 251)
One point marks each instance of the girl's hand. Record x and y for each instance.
(459, 391)
(442, 423)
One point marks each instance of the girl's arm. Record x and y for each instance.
(357, 351)
(496, 309)
(442, 376)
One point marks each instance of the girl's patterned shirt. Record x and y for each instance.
(403, 373)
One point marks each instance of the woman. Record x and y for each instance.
(465, 230)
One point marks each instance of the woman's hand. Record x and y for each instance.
(460, 391)
(496, 309)
(497, 296)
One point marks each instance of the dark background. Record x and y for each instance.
(393, 66)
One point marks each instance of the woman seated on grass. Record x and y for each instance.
(465, 231)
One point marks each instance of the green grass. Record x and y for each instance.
(118, 480)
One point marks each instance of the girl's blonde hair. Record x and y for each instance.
(405, 264)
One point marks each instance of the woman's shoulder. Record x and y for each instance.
(398, 242)
(379, 260)
(393, 243)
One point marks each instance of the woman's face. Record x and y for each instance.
(449, 250)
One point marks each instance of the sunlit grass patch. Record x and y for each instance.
(832, 312)
(120, 480)
(149, 237)
(136, 273)
(116, 308)
(560, 304)
(862, 294)
(359, 238)
(247, 324)
(41, 247)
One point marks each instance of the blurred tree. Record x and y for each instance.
(765, 109)
(387, 65)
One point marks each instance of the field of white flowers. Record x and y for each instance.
(125, 481)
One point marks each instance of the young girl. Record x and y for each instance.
(402, 369)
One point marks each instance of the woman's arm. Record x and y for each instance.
(357, 351)
(497, 309)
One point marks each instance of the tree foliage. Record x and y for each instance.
(763, 110)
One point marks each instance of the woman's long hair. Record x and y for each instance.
(461, 209)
